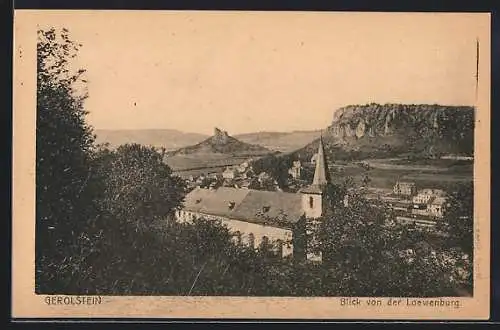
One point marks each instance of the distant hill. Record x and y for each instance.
(170, 139)
(280, 141)
(393, 130)
(222, 143)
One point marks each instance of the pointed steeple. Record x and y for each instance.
(321, 177)
(312, 196)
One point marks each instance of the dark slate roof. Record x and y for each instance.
(270, 207)
(214, 201)
(404, 183)
(278, 209)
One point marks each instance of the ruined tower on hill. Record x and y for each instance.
(220, 136)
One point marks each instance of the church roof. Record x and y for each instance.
(214, 201)
(271, 207)
(278, 209)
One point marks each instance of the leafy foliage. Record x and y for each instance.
(460, 217)
(64, 144)
(138, 187)
(363, 256)
(276, 166)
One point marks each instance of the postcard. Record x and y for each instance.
(251, 165)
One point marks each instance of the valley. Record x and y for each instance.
(373, 145)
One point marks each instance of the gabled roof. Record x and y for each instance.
(278, 209)
(214, 201)
(439, 201)
(405, 183)
(434, 192)
(271, 207)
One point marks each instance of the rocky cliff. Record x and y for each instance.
(374, 130)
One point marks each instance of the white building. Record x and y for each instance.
(295, 170)
(229, 173)
(425, 195)
(437, 207)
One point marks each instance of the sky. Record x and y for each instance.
(263, 71)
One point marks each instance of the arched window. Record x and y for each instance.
(237, 237)
(265, 243)
(279, 247)
(311, 201)
(251, 240)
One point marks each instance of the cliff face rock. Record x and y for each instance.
(389, 119)
(376, 130)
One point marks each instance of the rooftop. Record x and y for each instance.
(439, 201)
(279, 209)
(404, 183)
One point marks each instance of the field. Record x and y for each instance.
(383, 173)
(196, 164)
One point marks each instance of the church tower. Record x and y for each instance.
(313, 196)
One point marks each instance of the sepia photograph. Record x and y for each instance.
(252, 155)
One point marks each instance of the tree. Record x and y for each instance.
(362, 257)
(139, 188)
(334, 195)
(459, 217)
(136, 196)
(64, 144)
(366, 180)
(276, 165)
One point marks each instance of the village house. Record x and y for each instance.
(428, 206)
(437, 207)
(199, 180)
(457, 157)
(229, 173)
(313, 158)
(255, 216)
(243, 167)
(425, 195)
(405, 188)
(215, 176)
(248, 174)
(295, 170)
(263, 177)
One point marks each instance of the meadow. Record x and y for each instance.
(440, 174)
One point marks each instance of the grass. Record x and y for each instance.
(433, 162)
(385, 177)
(203, 161)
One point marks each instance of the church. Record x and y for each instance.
(256, 217)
